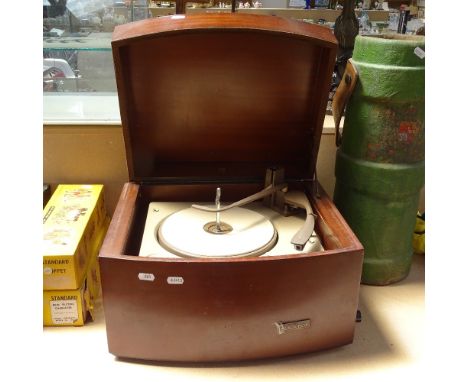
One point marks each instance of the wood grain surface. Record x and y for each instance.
(204, 99)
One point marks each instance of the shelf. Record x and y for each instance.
(94, 41)
(328, 15)
(81, 109)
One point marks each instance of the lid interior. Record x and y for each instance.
(219, 97)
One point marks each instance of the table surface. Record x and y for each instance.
(388, 344)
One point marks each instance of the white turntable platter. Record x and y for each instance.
(186, 233)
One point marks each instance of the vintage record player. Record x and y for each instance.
(223, 246)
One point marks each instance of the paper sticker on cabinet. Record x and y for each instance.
(146, 276)
(175, 280)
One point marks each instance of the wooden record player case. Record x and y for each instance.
(207, 101)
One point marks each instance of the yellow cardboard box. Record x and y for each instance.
(71, 307)
(71, 220)
(66, 307)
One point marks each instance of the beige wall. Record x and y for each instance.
(86, 154)
(96, 154)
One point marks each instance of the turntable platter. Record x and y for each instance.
(190, 233)
(159, 212)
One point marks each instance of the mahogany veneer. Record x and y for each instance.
(213, 100)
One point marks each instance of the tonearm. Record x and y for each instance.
(276, 196)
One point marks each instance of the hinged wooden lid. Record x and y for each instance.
(213, 96)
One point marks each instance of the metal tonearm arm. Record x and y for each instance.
(271, 189)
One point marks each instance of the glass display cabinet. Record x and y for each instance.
(77, 54)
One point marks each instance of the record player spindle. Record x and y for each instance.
(218, 205)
